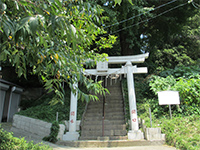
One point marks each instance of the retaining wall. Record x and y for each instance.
(35, 126)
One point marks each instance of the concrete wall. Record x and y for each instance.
(35, 126)
(14, 101)
(10, 95)
(3, 89)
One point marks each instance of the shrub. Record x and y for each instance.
(189, 92)
(8, 142)
(54, 133)
(181, 71)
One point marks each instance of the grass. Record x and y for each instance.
(181, 132)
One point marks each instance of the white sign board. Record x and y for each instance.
(168, 98)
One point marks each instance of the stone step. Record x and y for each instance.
(114, 89)
(110, 137)
(114, 105)
(106, 122)
(106, 127)
(111, 90)
(108, 101)
(110, 98)
(118, 137)
(107, 105)
(107, 117)
(114, 123)
(111, 111)
(110, 143)
(113, 84)
(91, 114)
(108, 108)
(106, 133)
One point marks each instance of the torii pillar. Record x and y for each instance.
(134, 133)
(72, 135)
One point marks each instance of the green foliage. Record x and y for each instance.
(53, 38)
(45, 111)
(172, 57)
(53, 133)
(176, 41)
(186, 80)
(182, 71)
(42, 109)
(8, 142)
(189, 90)
(182, 132)
(158, 83)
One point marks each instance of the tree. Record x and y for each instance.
(53, 38)
(180, 49)
(158, 27)
(123, 24)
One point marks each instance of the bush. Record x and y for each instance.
(189, 92)
(54, 133)
(181, 71)
(8, 142)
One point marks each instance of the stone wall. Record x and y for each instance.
(154, 134)
(35, 126)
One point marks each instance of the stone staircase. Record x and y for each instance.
(114, 121)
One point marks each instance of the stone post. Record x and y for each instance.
(72, 135)
(134, 133)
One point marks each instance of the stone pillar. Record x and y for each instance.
(134, 133)
(72, 135)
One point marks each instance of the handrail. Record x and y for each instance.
(83, 115)
(103, 114)
(123, 95)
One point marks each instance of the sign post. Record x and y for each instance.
(169, 98)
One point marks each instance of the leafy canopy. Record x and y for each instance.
(54, 38)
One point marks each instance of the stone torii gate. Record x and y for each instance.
(103, 70)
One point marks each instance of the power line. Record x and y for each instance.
(139, 14)
(149, 18)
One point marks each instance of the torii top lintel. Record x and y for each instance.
(123, 59)
(103, 70)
